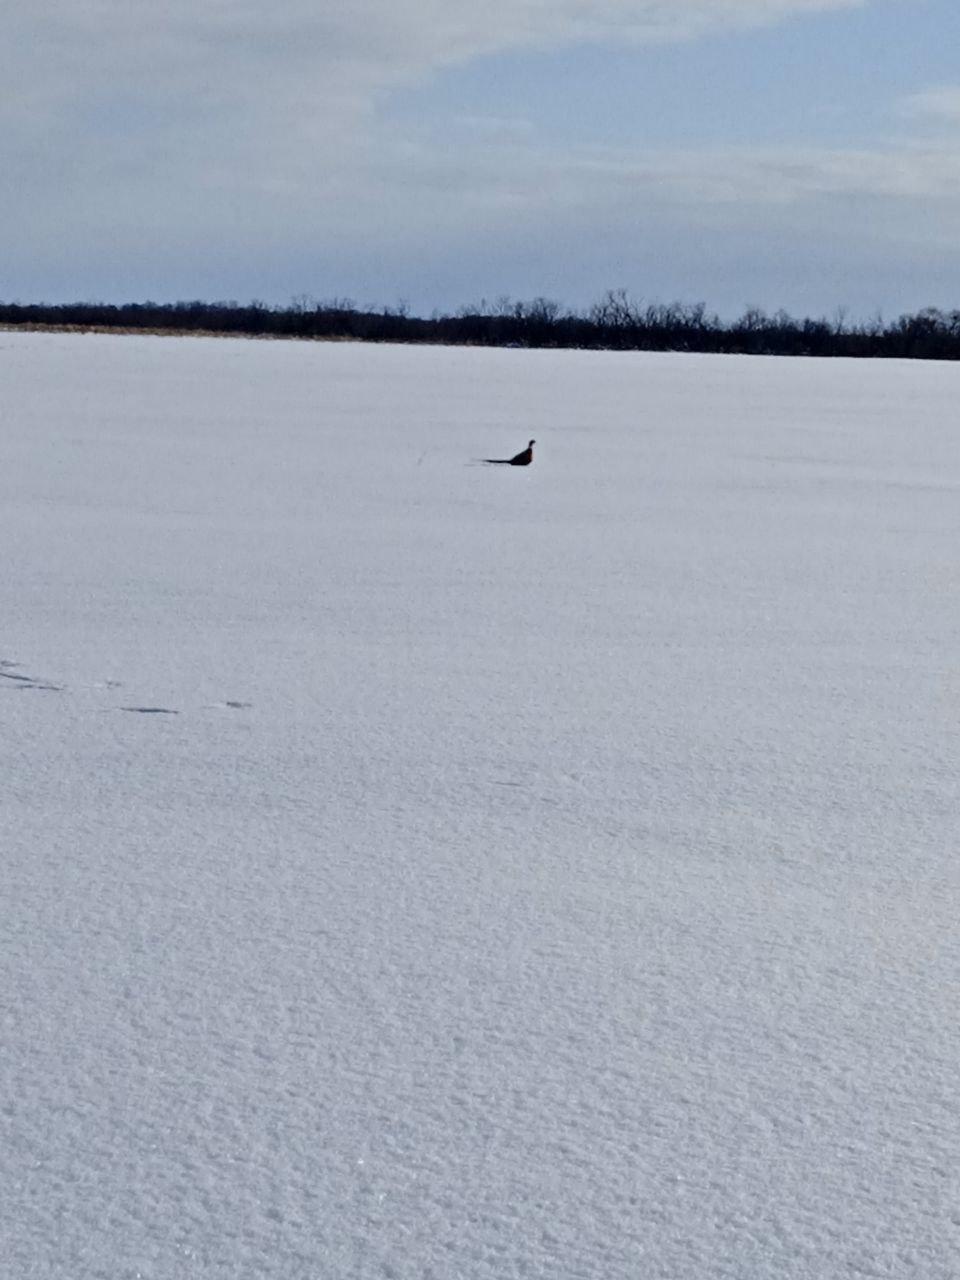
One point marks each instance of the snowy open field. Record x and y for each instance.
(546, 872)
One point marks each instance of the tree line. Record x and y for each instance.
(616, 322)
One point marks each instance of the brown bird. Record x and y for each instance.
(522, 459)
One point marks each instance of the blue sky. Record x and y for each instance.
(836, 79)
(796, 153)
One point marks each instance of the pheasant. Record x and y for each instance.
(522, 459)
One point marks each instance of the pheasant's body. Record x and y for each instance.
(518, 460)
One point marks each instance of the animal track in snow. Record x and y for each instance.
(17, 681)
(24, 682)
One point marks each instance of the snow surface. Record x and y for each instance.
(419, 869)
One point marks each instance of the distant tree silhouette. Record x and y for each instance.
(615, 322)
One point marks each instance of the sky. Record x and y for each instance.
(802, 154)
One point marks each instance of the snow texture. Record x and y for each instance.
(418, 869)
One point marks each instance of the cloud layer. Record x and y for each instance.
(273, 64)
(237, 128)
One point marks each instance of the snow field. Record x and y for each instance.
(417, 869)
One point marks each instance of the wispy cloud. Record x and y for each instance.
(940, 103)
(292, 58)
